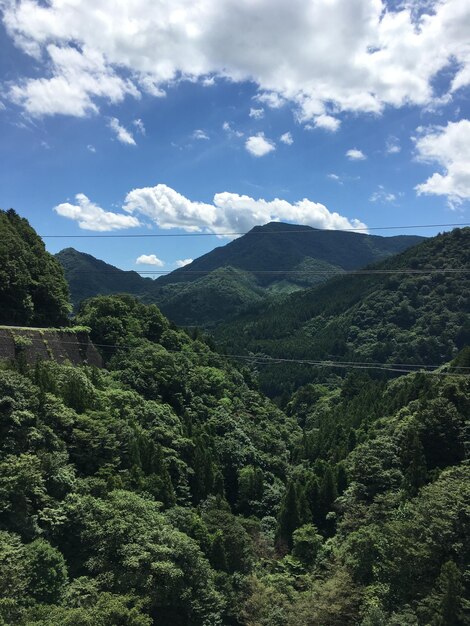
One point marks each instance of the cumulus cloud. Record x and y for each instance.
(77, 79)
(256, 114)
(287, 139)
(355, 155)
(228, 212)
(200, 135)
(327, 122)
(122, 134)
(449, 147)
(259, 146)
(183, 262)
(90, 216)
(340, 55)
(149, 259)
(91, 147)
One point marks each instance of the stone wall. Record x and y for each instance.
(48, 343)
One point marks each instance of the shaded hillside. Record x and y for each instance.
(32, 285)
(278, 246)
(209, 299)
(418, 318)
(274, 259)
(89, 277)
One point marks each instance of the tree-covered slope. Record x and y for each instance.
(33, 290)
(420, 318)
(167, 490)
(270, 260)
(88, 276)
(210, 299)
(278, 246)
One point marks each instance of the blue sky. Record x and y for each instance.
(214, 116)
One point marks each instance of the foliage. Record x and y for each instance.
(32, 286)
(420, 318)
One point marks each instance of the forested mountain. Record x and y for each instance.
(89, 277)
(278, 246)
(166, 489)
(269, 260)
(32, 286)
(392, 317)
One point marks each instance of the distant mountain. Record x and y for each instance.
(89, 277)
(270, 260)
(420, 318)
(278, 247)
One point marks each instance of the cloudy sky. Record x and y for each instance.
(212, 116)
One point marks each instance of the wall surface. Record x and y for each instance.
(46, 344)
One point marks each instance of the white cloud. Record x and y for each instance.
(449, 147)
(90, 216)
(272, 99)
(77, 78)
(183, 262)
(328, 122)
(122, 134)
(341, 55)
(200, 134)
(256, 114)
(258, 145)
(138, 123)
(149, 259)
(355, 155)
(381, 195)
(392, 146)
(287, 139)
(228, 212)
(91, 148)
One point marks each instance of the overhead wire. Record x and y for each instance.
(258, 232)
(268, 360)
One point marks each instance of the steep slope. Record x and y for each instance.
(32, 285)
(210, 299)
(396, 317)
(88, 276)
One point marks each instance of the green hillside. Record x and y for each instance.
(420, 318)
(278, 246)
(269, 261)
(33, 290)
(165, 488)
(88, 277)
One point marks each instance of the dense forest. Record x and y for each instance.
(267, 262)
(165, 488)
(411, 311)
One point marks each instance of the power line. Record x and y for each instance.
(119, 272)
(267, 360)
(258, 232)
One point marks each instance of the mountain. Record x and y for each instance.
(33, 289)
(393, 317)
(270, 260)
(165, 488)
(88, 276)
